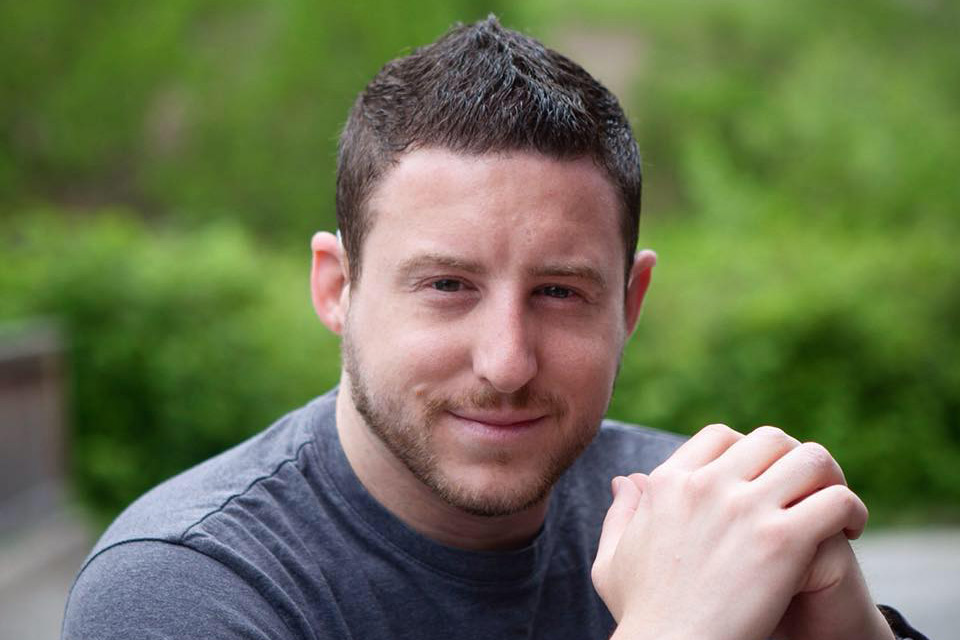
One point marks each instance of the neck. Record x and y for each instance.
(394, 486)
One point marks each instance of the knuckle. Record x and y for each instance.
(738, 502)
(846, 502)
(664, 475)
(667, 484)
(717, 428)
(699, 484)
(776, 435)
(719, 432)
(741, 501)
(817, 457)
(780, 438)
(846, 499)
(769, 431)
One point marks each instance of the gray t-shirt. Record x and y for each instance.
(276, 538)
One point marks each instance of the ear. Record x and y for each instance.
(329, 282)
(640, 274)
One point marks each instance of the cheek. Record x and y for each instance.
(585, 362)
(407, 352)
(592, 344)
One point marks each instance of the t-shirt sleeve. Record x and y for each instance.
(153, 590)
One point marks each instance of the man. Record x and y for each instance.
(455, 484)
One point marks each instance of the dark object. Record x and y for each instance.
(901, 628)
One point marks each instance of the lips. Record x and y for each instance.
(500, 419)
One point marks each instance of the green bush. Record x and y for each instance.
(195, 109)
(179, 345)
(846, 338)
(841, 111)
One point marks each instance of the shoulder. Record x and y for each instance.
(164, 590)
(170, 510)
(214, 530)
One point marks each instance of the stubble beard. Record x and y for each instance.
(410, 439)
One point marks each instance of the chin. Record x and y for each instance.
(496, 491)
(492, 503)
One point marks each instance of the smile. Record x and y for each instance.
(498, 422)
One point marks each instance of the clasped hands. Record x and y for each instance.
(736, 538)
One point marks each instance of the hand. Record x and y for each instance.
(726, 537)
(834, 601)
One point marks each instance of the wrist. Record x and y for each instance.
(869, 625)
(636, 629)
(630, 629)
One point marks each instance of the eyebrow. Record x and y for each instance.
(411, 265)
(583, 272)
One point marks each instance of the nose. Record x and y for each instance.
(505, 347)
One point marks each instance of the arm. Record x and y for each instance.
(736, 538)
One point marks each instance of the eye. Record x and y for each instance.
(447, 285)
(554, 291)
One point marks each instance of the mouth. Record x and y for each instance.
(499, 420)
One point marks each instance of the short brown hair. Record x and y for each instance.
(482, 88)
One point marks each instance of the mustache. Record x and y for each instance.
(489, 398)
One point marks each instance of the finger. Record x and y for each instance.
(626, 497)
(707, 445)
(830, 511)
(799, 473)
(639, 480)
(753, 454)
(834, 556)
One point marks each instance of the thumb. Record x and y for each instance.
(626, 497)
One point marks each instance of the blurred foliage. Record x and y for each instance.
(180, 344)
(195, 109)
(848, 338)
(161, 167)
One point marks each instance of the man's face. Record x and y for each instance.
(483, 338)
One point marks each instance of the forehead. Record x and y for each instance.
(503, 206)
